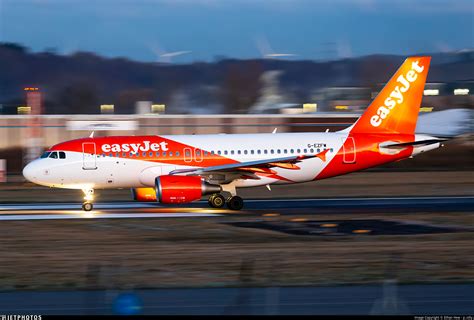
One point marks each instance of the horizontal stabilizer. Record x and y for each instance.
(412, 143)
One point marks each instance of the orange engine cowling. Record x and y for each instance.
(182, 189)
(144, 194)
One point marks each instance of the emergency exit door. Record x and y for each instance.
(349, 151)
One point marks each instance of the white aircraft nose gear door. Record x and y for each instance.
(89, 161)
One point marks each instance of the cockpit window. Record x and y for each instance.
(62, 155)
(45, 155)
(54, 155)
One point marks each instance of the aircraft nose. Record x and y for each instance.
(29, 172)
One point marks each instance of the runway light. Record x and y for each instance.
(329, 225)
(341, 107)
(298, 220)
(361, 231)
(461, 92)
(271, 214)
(431, 92)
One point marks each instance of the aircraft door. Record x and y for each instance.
(349, 150)
(89, 160)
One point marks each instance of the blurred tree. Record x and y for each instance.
(80, 97)
(126, 99)
(241, 86)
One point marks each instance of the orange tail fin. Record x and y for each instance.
(396, 107)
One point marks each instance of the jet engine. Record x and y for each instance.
(182, 189)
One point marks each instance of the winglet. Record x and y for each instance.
(92, 134)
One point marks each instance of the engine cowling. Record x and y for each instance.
(144, 194)
(182, 189)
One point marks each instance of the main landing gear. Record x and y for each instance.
(217, 200)
(88, 198)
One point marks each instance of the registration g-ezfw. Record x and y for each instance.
(183, 168)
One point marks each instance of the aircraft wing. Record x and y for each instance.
(249, 168)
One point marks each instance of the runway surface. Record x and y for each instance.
(389, 298)
(118, 210)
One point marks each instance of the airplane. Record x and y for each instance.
(177, 169)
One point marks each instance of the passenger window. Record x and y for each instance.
(177, 153)
(144, 154)
(251, 151)
(219, 152)
(124, 154)
(292, 150)
(278, 151)
(271, 151)
(231, 151)
(285, 151)
(258, 151)
(312, 150)
(62, 155)
(305, 150)
(225, 152)
(151, 154)
(157, 153)
(298, 151)
(238, 152)
(171, 153)
(245, 151)
(53, 155)
(205, 153)
(265, 151)
(163, 154)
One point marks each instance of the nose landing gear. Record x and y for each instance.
(88, 198)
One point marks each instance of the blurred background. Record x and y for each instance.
(124, 67)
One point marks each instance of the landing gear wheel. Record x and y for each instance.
(87, 206)
(235, 203)
(216, 200)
